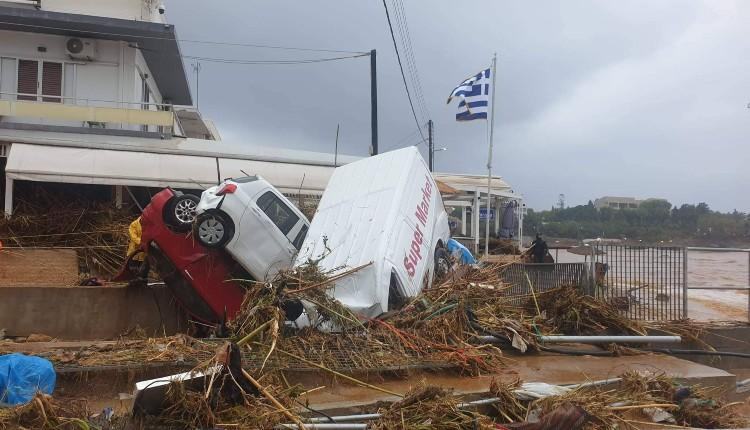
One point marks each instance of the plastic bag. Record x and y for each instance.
(22, 376)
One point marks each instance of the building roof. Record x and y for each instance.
(178, 162)
(157, 42)
(470, 182)
(176, 145)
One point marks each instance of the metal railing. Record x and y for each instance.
(85, 102)
(93, 112)
(719, 288)
(542, 276)
(643, 282)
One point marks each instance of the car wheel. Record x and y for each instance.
(180, 211)
(442, 263)
(213, 229)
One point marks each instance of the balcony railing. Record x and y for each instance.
(89, 111)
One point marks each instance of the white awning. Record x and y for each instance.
(108, 167)
(47, 163)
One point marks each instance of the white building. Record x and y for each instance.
(468, 206)
(621, 202)
(95, 92)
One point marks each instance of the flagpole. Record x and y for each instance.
(489, 162)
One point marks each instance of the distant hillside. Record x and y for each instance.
(653, 221)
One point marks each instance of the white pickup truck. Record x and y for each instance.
(385, 210)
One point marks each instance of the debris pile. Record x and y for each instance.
(429, 407)
(642, 398)
(172, 350)
(46, 413)
(96, 231)
(229, 396)
(438, 329)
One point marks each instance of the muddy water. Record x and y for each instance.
(713, 270)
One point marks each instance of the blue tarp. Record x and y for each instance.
(21, 376)
(460, 252)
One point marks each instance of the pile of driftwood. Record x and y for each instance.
(440, 328)
(96, 231)
(234, 398)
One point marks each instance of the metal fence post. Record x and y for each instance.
(685, 282)
(592, 274)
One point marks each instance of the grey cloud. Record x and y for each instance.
(635, 98)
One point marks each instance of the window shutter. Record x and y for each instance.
(52, 82)
(28, 74)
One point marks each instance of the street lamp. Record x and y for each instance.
(432, 155)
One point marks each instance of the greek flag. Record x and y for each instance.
(475, 97)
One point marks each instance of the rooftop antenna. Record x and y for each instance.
(336, 148)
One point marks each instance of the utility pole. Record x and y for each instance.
(373, 103)
(430, 145)
(197, 68)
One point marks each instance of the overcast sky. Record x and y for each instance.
(626, 98)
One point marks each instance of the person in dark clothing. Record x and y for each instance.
(539, 249)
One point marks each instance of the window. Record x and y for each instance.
(245, 179)
(277, 211)
(40, 79)
(300, 237)
(52, 82)
(28, 79)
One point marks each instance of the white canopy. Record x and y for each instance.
(48, 163)
(108, 167)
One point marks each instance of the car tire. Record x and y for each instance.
(442, 263)
(179, 213)
(213, 229)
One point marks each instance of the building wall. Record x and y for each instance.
(139, 10)
(113, 79)
(81, 313)
(620, 202)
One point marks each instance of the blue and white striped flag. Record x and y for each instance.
(475, 97)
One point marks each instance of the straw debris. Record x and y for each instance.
(429, 407)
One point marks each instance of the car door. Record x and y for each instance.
(279, 220)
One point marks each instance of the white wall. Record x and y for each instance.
(110, 80)
(139, 10)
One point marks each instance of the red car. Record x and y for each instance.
(199, 277)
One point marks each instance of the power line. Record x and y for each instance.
(401, 67)
(405, 138)
(410, 58)
(204, 42)
(270, 62)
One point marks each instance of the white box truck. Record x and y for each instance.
(385, 210)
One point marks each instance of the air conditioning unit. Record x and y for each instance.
(81, 49)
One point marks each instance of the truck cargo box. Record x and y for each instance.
(385, 210)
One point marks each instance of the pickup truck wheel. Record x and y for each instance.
(180, 211)
(442, 263)
(213, 229)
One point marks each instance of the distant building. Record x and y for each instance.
(620, 202)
